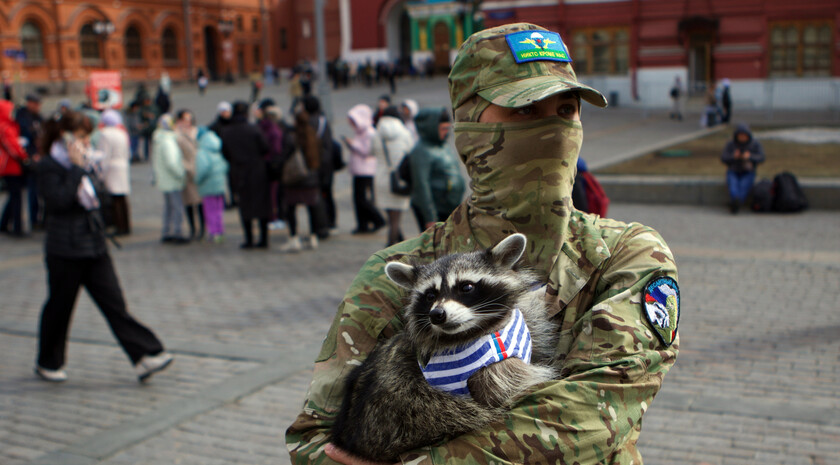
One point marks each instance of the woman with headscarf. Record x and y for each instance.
(363, 168)
(392, 143)
(116, 150)
(245, 148)
(185, 135)
(408, 111)
(170, 177)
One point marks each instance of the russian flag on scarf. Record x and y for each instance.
(449, 370)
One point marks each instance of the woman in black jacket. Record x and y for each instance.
(76, 255)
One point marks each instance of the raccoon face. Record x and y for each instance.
(462, 296)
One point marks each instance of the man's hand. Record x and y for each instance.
(341, 456)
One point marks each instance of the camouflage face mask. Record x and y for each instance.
(522, 175)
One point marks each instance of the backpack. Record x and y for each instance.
(789, 196)
(762, 196)
(596, 198)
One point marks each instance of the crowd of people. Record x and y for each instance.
(243, 160)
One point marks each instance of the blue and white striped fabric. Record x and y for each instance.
(449, 370)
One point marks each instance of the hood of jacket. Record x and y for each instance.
(6, 108)
(390, 128)
(427, 121)
(362, 117)
(210, 142)
(742, 129)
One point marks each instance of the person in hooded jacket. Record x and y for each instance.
(437, 186)
(245, 148)
(185, 136)
(392, 143)
(12, 159)
(741, 155)
(408, 111)
(326, 172)
(363, 169)
(211, 177)
(76, 255)
(610, 287)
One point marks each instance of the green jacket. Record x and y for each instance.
(437, 186)
(166, 160)
(613, 364)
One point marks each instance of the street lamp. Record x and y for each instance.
(103, 29)
(226, 27)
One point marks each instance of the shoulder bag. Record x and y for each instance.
(398, 185)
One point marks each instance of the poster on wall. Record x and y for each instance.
(105, 90)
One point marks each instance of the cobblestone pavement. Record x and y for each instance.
(756, 381)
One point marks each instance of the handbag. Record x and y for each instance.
(295, 170)
(398, 185)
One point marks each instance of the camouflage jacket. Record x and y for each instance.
(613, 364)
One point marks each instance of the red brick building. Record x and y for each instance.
(64, 40)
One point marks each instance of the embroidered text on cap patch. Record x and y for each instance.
(537, 45)
(662, 307)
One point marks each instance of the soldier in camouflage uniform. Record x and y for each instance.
(611, 286)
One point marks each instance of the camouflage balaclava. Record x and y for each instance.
(521, 172)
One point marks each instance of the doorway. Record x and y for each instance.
(699, 65)
(441, 46)
(211, 52)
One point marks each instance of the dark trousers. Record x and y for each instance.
(317, 220)
(247, 225)
(33, 200)
(13, 211)
(97, 275)
(363, 201)
(328, 201)
(122, 214)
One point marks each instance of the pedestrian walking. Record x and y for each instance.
(134, 126)
(676, 94)
(725, 101)
(13, 160)
(392, 144)
(211, 177)
(185, 135)
(245, 148)
(77, 255)
(29, 120)
(115, 148)
(201, 81)
(517, 111)
(170, 178)
(741, 155)
(363, 169)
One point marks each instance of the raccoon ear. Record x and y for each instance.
(507, 252)
(400, 273)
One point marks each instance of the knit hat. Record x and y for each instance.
(223, 106)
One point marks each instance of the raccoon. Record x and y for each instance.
(390, 407)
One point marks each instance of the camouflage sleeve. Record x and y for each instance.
(367, 311)
(613, 370)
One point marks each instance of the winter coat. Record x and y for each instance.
(72, 231)
(362, 161)
(30, 128)
(398, 139)
(751, 145)
(188, 146)
(9, 134)
(325, 144)
(210, 167)
(113, 142)
(437, 186)
(170, 175)
(245, 148)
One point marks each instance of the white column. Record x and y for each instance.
(346, 27)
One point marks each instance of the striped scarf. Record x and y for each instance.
(450, 369)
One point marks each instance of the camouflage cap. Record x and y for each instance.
(511, 66)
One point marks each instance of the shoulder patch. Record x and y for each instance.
(537, 45)
(661, 306)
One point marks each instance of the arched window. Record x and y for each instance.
(133, 44)
(170, 45)
(31, 42)
(89, 44)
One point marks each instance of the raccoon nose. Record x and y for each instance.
(437, 315)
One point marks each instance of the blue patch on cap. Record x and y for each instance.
(537, 45)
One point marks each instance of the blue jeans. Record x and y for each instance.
(739, 185)
(173, 214)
